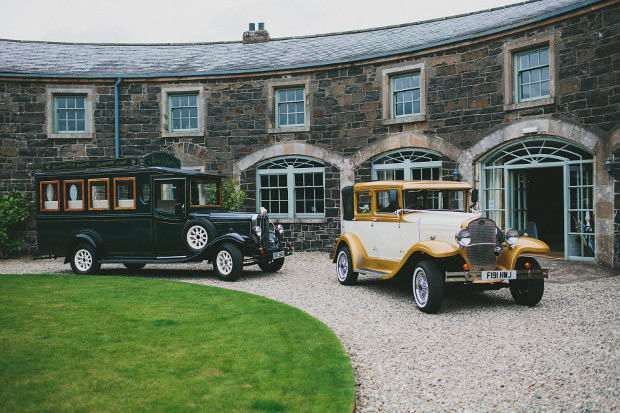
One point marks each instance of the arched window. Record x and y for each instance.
(291, 187)
(408, 165)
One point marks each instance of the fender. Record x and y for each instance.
(89, 237)
(358, 252)
(432, 248)
(231, 237)
(509, 258)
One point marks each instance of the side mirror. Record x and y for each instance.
(393, 197)
(474, 196)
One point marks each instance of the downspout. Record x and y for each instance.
(116, 123)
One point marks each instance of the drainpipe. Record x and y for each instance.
(116, 123)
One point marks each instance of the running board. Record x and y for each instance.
(366, 271)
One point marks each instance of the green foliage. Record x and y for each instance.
(104, 343)
(232, 198)
(14, 209)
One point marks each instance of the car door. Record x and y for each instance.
(386, 224)
(169, 216)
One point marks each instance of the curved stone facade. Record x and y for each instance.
(467, 105)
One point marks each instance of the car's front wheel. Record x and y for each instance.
(427, 285)
(84, 260)
(272, 265)
(527, 292)
(228, 262)
(344, 267)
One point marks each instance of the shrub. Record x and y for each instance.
(14, 209)
(233, 199)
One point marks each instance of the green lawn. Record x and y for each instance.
(108, 343)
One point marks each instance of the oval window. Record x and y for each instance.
(146, 193)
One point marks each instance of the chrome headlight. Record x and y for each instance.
(280, 228)
(512, 236)
(463, 237)
(257, 231)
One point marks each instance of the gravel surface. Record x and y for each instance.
(482, 352)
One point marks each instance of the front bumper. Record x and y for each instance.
(268, 254)
(476, 276)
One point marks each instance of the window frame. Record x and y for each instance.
(279, 103)
(166, 115)
(517, 75)
(90, 100)
(171, 108)
(387, 80)
(66, 194)
(57, 109)
(407, 166)
(191, 188)
(513, 48)
(41, 202)
(132, 179)
(290, 171)
(272, 86)
(107, 193)
(394, 92)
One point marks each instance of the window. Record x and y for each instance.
(529, 73)
(532, 76)
(169, 194)
(74, 195)
(383, 202)
(363, 204)
(290, 107)
(99, 194)
(48, 196)
(292, 187)
(183, 113)
(405, 92)
(124, 193)
(205, 193)
(70, 114)
(289, 104)
(407, 165)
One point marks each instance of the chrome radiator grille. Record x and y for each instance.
(263, 222)
(483, 241)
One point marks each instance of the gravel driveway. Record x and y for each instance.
(482, 352)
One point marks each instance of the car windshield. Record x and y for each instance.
(434, 199)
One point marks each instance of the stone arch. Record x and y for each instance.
(300, 149)
(406, 140)
(189, 154)
(521, 130)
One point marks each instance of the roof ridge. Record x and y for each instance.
(311, 36)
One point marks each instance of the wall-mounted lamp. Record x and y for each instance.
(609, 167)
(456, 175)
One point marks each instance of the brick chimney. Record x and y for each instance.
(256, 36)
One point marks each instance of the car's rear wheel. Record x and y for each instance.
(84, 260)
(428, 286)
(228, 262)
(344, 267)
(527, 292)
(272, 265)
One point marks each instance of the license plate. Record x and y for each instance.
(499, 275)
(279, 254)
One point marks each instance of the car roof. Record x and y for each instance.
(413, 185)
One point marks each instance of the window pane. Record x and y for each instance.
(544, 89)
(284, 108)
(416, 107)
(193, 100)
(290, 95)
(408, 108)
(415, 81)
(282, 95)
(525, 77)
(61, 102)
(398, 83)
(407, 82)
(544, 74)
(533, 59)
(523, 62)
(536, 75)
(535, 91)
(300, 119)
(544, 57)
(399, 109)
(525, 92)
(300, 94)
(176, 124)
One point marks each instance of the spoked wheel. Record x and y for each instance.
(427, 286)
(84, 260)
(344, 267)
(228, 262)
(198, 233)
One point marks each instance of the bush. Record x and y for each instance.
(232, 198)
(14, 209)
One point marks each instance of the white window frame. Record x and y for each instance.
(171, 109)
(290, 171)
(407, 165)
(394, 92)
(272, 86)
(518, 75)
(90, 98)
(172, 90)
(388, 110)
(279, 104)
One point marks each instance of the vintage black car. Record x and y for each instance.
(138, 211)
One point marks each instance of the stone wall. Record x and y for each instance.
(465, 102)
(616, 169)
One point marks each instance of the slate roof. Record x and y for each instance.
(47, 59)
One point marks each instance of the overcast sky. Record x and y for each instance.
(185, 21)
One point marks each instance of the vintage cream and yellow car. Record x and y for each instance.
(423, 230)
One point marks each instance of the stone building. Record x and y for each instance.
(521, 101)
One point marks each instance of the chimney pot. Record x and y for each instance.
(252, 27)
(261, 26)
